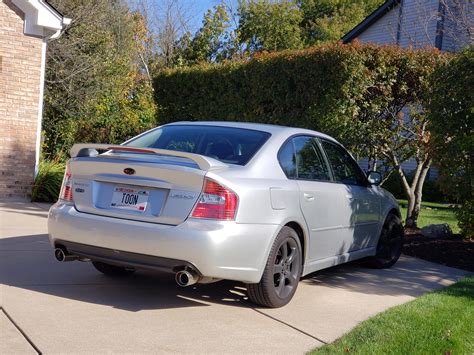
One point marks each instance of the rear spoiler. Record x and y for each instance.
(90, 150)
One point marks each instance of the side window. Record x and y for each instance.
(344, 168)
(309, 162)
(287, 160)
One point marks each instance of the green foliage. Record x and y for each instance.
(210, 41)
(48, 181)
(295, 88)
(465, 215)
(96, 89)
(326, 20)
(451, 110)
(269, 26)
(452, 125)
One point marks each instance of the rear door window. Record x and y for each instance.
(300, 158)
(344, 168)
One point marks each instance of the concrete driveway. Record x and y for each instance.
(50, 307)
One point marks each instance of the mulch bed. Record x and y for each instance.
(455, 251)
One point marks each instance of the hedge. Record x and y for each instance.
(294, 88)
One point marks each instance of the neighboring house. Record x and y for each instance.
(445, 24)
(25, 28)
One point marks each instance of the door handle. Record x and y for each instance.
(308, 197)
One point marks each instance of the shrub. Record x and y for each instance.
(293, 88)
(465, 215)
(452, 124)
(48, 181)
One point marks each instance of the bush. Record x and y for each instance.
(48, 181)
(451, 111)
(465, 215)
(292, 88)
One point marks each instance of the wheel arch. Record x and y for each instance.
(302, 237)
(394, 211)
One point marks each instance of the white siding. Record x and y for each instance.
(457, 21)
(384, 30)
(418, 23)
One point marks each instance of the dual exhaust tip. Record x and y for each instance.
(62, 255)
(186, 277)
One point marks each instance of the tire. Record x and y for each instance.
(282, 272)
(389, 247)
(112, 270)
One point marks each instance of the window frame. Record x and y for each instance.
(317, 148)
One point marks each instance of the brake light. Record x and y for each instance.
(216, 202)
(66, 189)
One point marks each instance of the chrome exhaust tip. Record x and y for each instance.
(186, 277)
(62, 255)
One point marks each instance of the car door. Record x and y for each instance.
(320, 199)
(360, 202)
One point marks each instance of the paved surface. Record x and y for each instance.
(69, 307)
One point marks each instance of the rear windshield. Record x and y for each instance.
(227, 144)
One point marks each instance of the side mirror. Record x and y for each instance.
(375, 178)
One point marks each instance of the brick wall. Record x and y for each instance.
(20, 71)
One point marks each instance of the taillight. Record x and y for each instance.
(66, 189)
(216, 202)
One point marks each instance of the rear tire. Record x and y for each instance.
(112, 270)
(282, 272)
(389, 247)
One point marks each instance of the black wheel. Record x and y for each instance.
(389, 247)
(282, 272)
(112, 270)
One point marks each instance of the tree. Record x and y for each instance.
(384, 118)
(211, 42)
(451, 111)
(95, 77)
(269, 26)
(329, 20)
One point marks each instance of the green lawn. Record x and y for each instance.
(433, 213)
(440, 322)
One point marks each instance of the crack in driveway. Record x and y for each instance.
(25, 336)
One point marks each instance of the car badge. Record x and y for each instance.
(129, 171)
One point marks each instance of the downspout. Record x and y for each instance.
(399, 27)
(40, 105)
(440, 25)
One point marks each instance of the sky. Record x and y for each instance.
(199, 8)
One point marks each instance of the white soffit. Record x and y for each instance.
(41, 19)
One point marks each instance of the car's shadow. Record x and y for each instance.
(27, 262)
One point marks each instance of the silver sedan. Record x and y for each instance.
(255, 203)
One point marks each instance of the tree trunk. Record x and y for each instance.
(414, 191)
(415, 194)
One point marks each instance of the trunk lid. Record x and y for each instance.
(145, 185)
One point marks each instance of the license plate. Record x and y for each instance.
(128, 198)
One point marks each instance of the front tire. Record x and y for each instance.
(112, 270)
(282, 272)
(389, 247)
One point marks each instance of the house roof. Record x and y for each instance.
(369, 20)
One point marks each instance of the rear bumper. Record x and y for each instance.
(217, 249)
